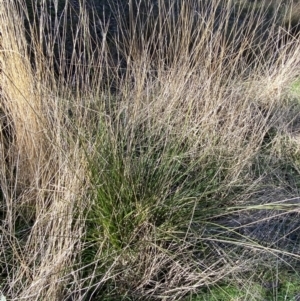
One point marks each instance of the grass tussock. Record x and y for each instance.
(158, 162)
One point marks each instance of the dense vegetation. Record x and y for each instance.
(149, 150)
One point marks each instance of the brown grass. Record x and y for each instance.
(128, 182)
(38, 231)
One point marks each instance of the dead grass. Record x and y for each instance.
(154, 181)
(38, 187)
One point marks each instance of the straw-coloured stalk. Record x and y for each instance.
(20, 100)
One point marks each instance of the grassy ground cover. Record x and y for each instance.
(161, 162)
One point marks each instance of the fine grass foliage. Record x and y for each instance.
(157, 162)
